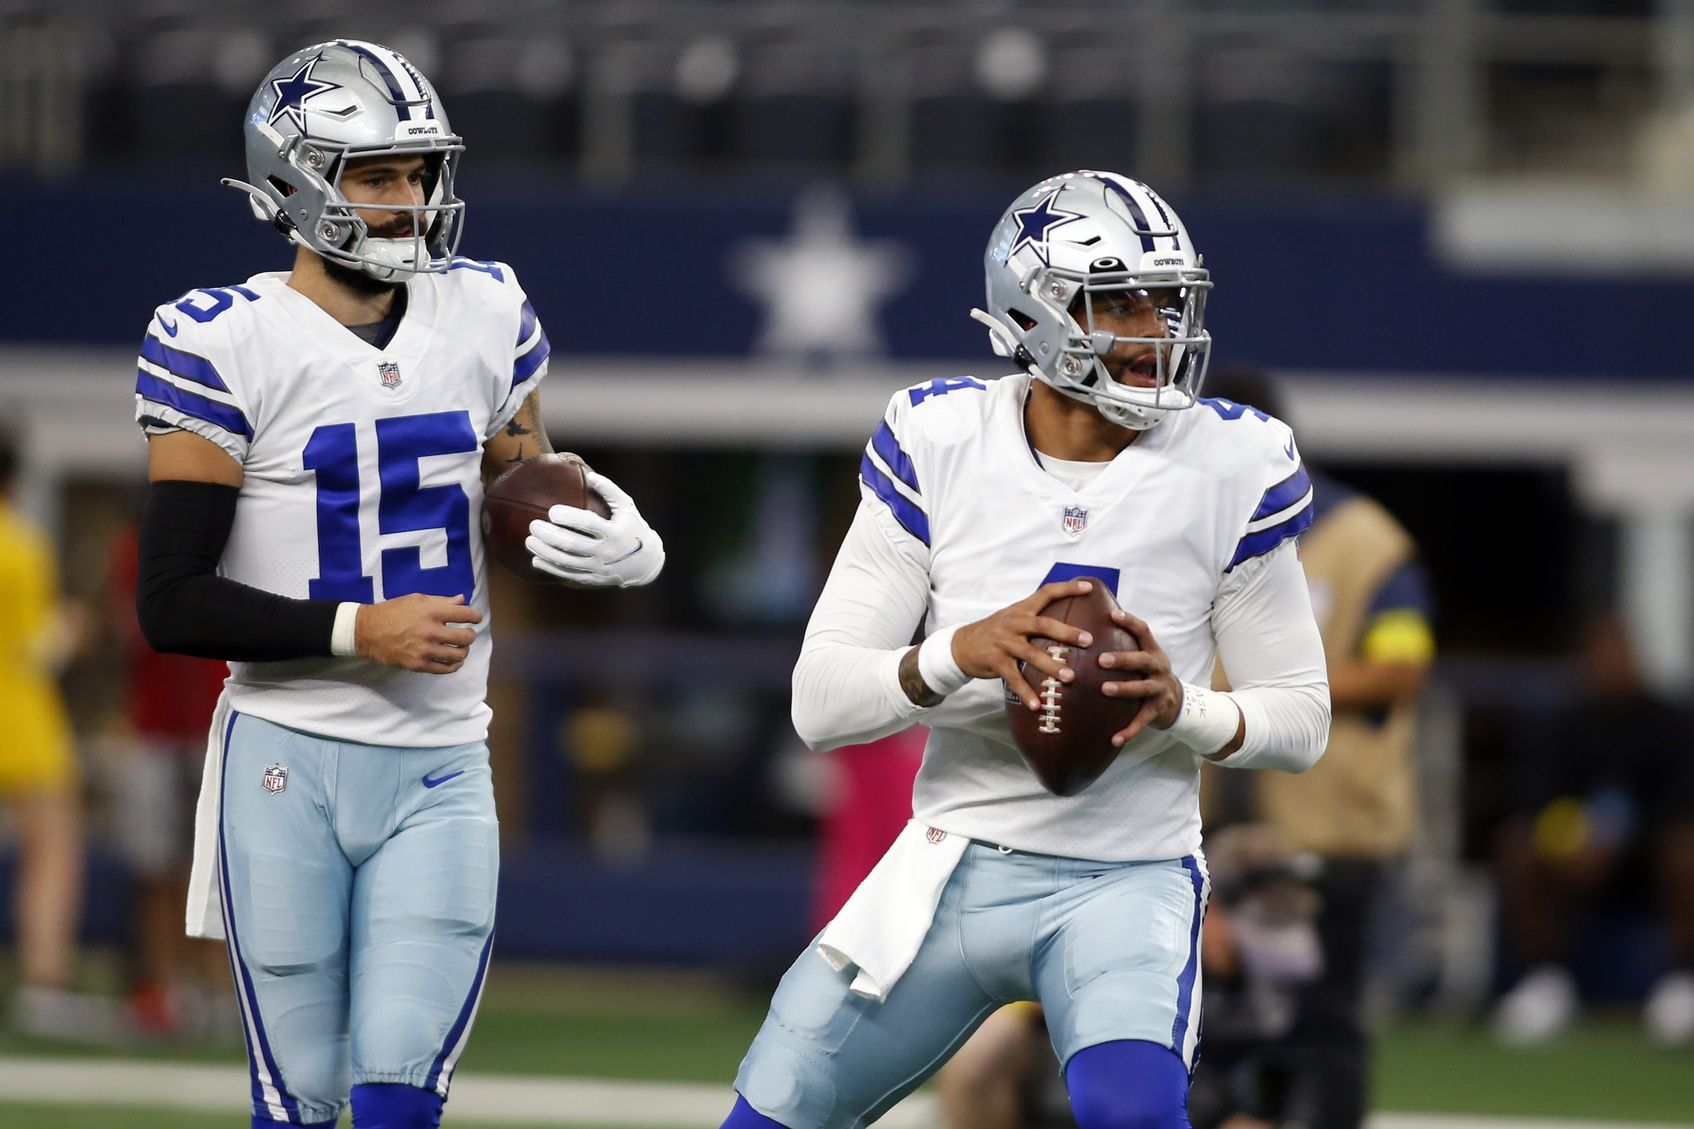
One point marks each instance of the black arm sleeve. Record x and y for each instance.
(186, 607)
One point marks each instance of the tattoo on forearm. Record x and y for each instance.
(912, 682)
(522, 426)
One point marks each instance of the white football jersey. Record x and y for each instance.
(362, 472)
(1176, 518)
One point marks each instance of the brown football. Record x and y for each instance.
(1068, 741)
(526, 492)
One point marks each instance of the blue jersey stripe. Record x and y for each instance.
(466, 1011)
(530, 361)
(906, 513)
(229, 418)
(896, 459)
(1284, 494)
(1185, 981)
(1262, 542)
(186, 365)
(258, 1045)
(526, 325)
(188, 403)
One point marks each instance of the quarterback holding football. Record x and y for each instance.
(318, 444)
(982, 503)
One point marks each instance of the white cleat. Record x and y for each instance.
(1669, 1014)
(1540, 1008)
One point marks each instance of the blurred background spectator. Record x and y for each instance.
(177, 984)
(41, 781)
(1356, 810)
(869, 801)
(1603, 825)
(1458, 233)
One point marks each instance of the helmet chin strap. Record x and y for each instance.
(1124, 415)
(389, 257)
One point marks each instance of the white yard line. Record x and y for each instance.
(517, 1099)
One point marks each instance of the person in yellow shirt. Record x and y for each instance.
(39, 780)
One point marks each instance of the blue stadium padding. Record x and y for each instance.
(696, 902)
(1370, 259)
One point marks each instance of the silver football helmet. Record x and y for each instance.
(337, 102)
(1069, 240)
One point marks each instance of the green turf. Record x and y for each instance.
(1603, 1070)
(636, 1026)
(643, 1027)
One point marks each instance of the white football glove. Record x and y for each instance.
(583, 548)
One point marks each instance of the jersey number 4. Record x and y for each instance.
(404, 506)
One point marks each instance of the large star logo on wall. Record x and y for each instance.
(292, 92)
(822, 286)
(1034, 224)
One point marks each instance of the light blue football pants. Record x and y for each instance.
(1112, 951)
(358, 886)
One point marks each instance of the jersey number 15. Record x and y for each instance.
(404, 505)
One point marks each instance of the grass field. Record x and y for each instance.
(653, 1027)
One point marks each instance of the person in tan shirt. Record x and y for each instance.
(1357, 808)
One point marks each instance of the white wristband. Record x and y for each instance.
(342, 635)
(936, 665)
(1208, 719)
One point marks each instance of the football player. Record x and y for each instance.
(981, 502)
(319, 440)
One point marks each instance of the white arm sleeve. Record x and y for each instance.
(1271, 649)
(847, 681)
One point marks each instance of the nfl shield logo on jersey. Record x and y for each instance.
(389, 372)
(276, 778)
(1076, 519)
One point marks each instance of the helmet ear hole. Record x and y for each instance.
(1025, 322)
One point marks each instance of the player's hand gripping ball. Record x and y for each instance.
(525, 493)
(1067, 742)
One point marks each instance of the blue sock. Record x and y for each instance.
(1129, 1084)
(267, 1123)
(744, 1116)
(392, 1105)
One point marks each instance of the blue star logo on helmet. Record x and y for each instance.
(1034, 224)
(292, 92)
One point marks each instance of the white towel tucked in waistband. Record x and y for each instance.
(205, 904)
(885, 921)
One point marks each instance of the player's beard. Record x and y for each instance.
(358, 281)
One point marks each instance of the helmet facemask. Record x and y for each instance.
(345, 234)
(1179, 352)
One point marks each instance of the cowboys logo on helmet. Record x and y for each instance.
(1058, 252)
(339, 102)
